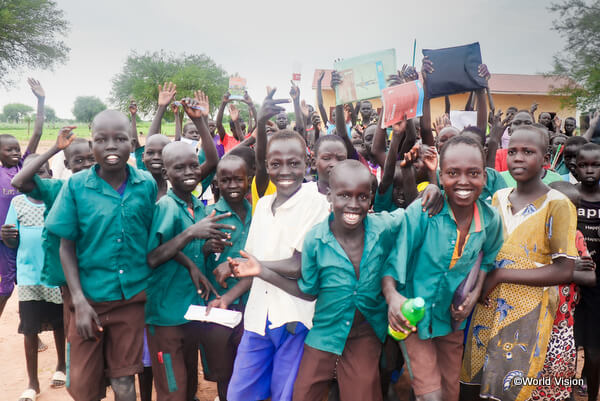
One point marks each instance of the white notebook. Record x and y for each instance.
(224, 317)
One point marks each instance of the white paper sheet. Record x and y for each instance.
(224, 317)
(462, 119)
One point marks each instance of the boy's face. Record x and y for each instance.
(10, 152)
(153, 156)
(286, 164)
(232, 180)
(329, 154)
(191, 132)
(569, 156)
(111, 144)
(44, 171)
(570, 126)
(445, 135)
(281, 120)
(365, 111)
(462, 174)
(182, 169)
(80, 158)
(588, 167)
(557, 140)
(398, 189)
(526, 155)
(350, 197)
(368, 136)
(520, 119)
(545, 119)
(212, 126)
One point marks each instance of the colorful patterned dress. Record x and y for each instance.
(512, 339)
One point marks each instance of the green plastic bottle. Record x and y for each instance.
(413, 310)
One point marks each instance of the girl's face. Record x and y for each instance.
(329, 154)
(520, 119)
(445, 135)
(526, 155)
(558, 140)
(462, 174)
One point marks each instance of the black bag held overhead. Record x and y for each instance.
(455, 70)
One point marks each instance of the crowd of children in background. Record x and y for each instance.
(318, 234)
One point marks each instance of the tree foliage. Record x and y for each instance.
(142, 73)
(86, 107)
(16, 111)
(29, 35)
(579, 24)
(49, 114)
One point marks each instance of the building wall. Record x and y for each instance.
(501, 101)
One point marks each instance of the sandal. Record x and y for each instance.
(28, 395)
(41, 346)
(58, 379)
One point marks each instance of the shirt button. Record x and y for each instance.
(354, 293)
(119, 240)
(347, 323)
(433, 305)
(120, 271)
(453, 242)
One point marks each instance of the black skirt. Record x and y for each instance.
(38, 316)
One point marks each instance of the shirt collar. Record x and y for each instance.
(93, 180)
(292, 201)
(222, 206)
(195, 201)
(476, 223)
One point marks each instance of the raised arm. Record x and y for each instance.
(178, 122)
(482, 112)
(389, 167)
(234, 113)
(340, 120)
(268, 109)
(219, 122)
(197, 110)
(593, 123)
(300, 125)
(496, 132)
(251, 112)
(166, 94)
(426, 133)
(23, 181)
(39, 93)
(133, 130)
(322, 110)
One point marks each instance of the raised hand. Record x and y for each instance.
(247, 98)
(36, 88)
(321, 75)
(557, 122)
(65, 137)
(226, 96)
(234, 113)
(247, 268)
(203, 104)
(294, 91)
(269, 107)
(430, 158)
(133, 108)
(304, 108)
(427, 67)
(336, 79)
(175, 107)
(483, 72)
(533, 108)
(441, 122)
(409, 73)
(166, 93)
(209, 227)
(315, 119)
(410, 156)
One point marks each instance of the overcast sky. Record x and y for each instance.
(263, 39)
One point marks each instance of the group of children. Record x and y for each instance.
(318, 234)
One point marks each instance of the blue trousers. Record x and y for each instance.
(266, 366)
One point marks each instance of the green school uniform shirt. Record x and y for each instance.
(46, 190)
(170, 288)
(493, 183)
(328, 274)
(548, 178)
(110, 231)
(139, 158)
(430, 243)
(561, 168)
(238, 239)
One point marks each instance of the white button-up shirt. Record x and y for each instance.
(275, 237)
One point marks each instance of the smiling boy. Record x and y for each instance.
(103, 216)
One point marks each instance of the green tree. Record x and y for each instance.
(579, 24)
(29, 36)
(86, 107)
(16, 111)
(142, 73)
(49, 114)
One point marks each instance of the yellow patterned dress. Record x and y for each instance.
(509, 341)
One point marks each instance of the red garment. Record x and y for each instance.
(229, 142)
